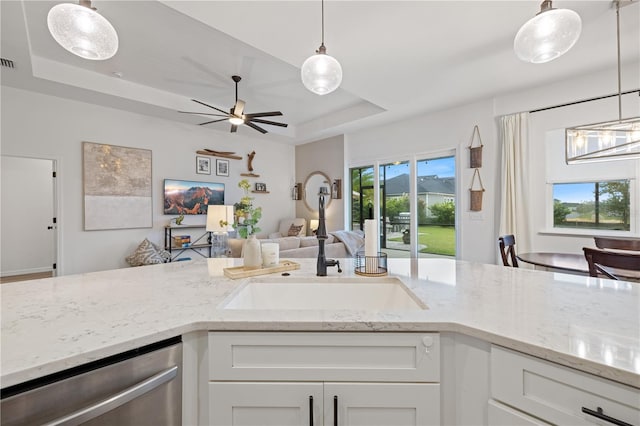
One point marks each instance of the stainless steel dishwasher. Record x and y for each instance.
(139, 387)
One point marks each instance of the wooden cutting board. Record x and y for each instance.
(240, 272)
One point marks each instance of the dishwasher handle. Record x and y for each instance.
(117, 400)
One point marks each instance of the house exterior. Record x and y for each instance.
(431, 189)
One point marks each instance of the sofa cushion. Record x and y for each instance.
(147, 253)
(286, 243)
(308, 241)
(294, 230)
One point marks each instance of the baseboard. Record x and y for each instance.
(25, 271)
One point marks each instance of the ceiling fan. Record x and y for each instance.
(236, 115)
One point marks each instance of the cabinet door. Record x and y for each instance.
(501, 415)
(381, 404)
(264, 404)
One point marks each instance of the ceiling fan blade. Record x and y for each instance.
(263, 114)
(234, 128)
(273, 123)
(203, 113)
(207, 105)
(253, 126)
(213, 121)
(238, 108)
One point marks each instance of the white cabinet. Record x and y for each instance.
(324, 379)
(501, 415)
(345, 404)
(560, 395)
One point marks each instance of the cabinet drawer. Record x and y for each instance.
(501, 415)
(557, 394)
(379, 357)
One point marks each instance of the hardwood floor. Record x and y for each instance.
(25, 277)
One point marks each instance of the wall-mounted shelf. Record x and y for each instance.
(249, 175)
(219, 154)
(260, 192)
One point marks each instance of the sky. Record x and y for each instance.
(574, 192)
(442, 167)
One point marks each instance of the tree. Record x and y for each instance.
(560, 212)
(445, 212)
(617, 203)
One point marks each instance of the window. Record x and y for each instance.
(604, 205)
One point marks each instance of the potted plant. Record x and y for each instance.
(247, 216)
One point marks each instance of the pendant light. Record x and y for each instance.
(548, 35)
(321, 73)
(82, 31)
(611, 140)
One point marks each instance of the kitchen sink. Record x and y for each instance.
(379, 294)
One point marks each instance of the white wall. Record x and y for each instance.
(548, 158)
(327, 156)
(36, 125)
(433, 134)
(452, 129)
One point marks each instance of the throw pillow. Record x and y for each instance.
(294, 230)
(145, 254)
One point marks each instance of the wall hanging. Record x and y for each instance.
(476, 194)
(475, 153)
(117, 187)
(189, 197)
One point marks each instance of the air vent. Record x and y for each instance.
(7, 63)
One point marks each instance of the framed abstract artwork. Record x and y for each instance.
(203, 165)
(117, 187)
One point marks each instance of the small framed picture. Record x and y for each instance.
(261, 187)
(222, 167)
(203, 165)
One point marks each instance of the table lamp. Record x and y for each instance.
(219, 221)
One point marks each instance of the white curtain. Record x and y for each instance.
(514, 201)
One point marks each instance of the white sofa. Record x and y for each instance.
(297, 247)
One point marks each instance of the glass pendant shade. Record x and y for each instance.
(82, 31)
(548, 35)
(321, 73)
(611, 140)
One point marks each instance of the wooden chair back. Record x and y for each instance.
(600, 261)
(507, 245)
(618, 243)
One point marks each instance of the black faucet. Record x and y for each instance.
(321, 234)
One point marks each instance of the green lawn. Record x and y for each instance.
(438, 239)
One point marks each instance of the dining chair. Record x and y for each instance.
(601, 261)
(617, 243)
(507, 245)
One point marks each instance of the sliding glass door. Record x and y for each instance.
(395, 213)
(436, 193)
(362, 196)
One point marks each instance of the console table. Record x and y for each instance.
(198, 242)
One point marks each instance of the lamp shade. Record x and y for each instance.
(321, 74)
(82, 31)
(313, 224)
(548, 35)
(219, 218)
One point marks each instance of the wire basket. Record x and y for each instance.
(371, 266)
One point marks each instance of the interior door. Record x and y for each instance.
(381, 404)
(265, 404)
(27, 216)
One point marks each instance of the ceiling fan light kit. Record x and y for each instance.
(548, 35)
(82, 31)
(321, 73)
(611, 140)
(236, 115)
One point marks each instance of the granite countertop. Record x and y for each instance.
(586, 323)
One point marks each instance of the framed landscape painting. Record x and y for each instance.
(117, 187)
(190, 197)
